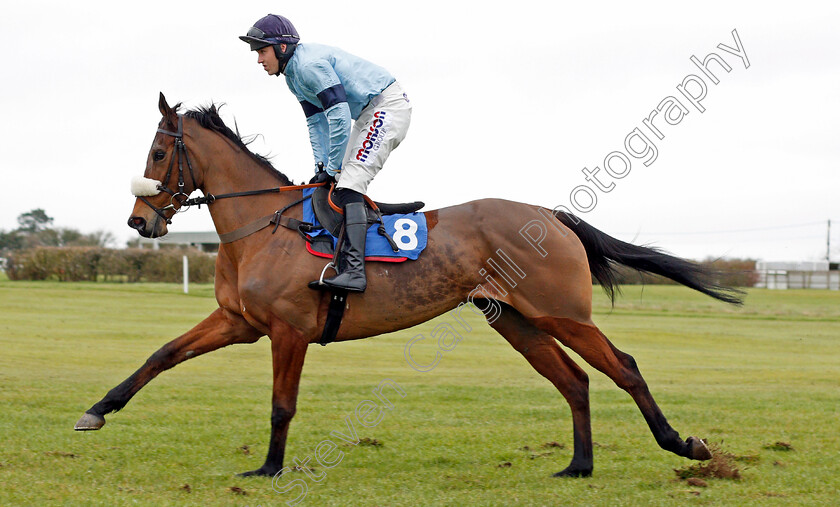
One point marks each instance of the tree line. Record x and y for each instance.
(38, 251)
(35, 229)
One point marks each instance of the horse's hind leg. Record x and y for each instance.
(219, 329)
(546, 356)
(588, 341)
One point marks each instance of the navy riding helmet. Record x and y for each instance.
(273, 30)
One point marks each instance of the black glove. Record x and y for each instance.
(322, 177)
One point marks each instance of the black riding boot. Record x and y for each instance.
(352, 278)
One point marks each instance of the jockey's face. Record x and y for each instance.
(267, 58)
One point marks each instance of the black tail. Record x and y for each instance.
(604, 250)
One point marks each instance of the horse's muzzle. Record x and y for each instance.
(155, 229)
(139, 224)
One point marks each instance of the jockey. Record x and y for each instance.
(334, 87)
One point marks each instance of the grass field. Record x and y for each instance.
(470, 432)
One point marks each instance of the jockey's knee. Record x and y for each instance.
(344, 196)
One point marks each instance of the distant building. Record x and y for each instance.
(204, 241)
(798, 275)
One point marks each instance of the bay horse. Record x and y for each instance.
(261, 283)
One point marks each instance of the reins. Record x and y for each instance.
(210, 198)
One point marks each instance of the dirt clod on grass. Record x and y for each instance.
(237, 490)
(553, 444)
(696, 481)
(547, 445)
(187, 488)
(779, 446)
(721, 466)
(371, 442)
(506, 464)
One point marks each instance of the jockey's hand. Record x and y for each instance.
(322, 177)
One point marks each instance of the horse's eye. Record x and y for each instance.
(159, 155)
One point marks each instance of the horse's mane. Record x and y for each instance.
(208, 117)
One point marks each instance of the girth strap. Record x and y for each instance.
(335, 312)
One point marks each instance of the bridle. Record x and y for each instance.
(181, 197)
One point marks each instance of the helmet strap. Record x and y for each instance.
(282, 57)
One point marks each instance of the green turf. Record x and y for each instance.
(749, 378)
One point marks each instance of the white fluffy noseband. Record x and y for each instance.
(144, 187)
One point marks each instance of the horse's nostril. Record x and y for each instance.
(137, 223)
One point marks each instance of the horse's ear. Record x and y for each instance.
(165, 110)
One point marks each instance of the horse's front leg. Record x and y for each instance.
(288, 351)
(219, 329)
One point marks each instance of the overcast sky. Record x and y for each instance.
(511, 100)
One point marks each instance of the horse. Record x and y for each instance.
(540, 299)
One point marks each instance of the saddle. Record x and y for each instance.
(331, 217)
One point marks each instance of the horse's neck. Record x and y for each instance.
(240, 173)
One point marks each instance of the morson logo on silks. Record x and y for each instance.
(374, 136)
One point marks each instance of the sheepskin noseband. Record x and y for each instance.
(144, 187)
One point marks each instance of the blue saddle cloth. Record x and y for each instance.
(408, 231)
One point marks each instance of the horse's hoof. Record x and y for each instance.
(574, 472)
(260, 472)
(89, 422)
(697, 449)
